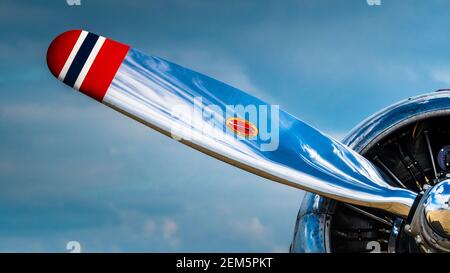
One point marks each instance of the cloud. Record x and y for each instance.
(150, 227)
(46, 112)
(223, 69)
(7, 166)
(10, 9)
(280, 249)
(251, 229)
(220, 66)
(169, 230)
(136, 224)
(441, 75)
(337, 135)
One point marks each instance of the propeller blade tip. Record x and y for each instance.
(85, 61)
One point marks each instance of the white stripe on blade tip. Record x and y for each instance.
(87, 65)
(72, 55)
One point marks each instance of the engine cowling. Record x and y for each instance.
(409, 142)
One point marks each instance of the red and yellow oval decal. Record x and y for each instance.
(242, 127)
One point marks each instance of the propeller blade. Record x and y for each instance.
(220, 120)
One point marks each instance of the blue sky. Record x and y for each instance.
(72, 169)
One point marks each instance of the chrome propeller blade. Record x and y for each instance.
(220, 120)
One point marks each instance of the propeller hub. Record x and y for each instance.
(430, 225)
(437, 209)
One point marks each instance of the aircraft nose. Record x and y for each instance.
(85, 61)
